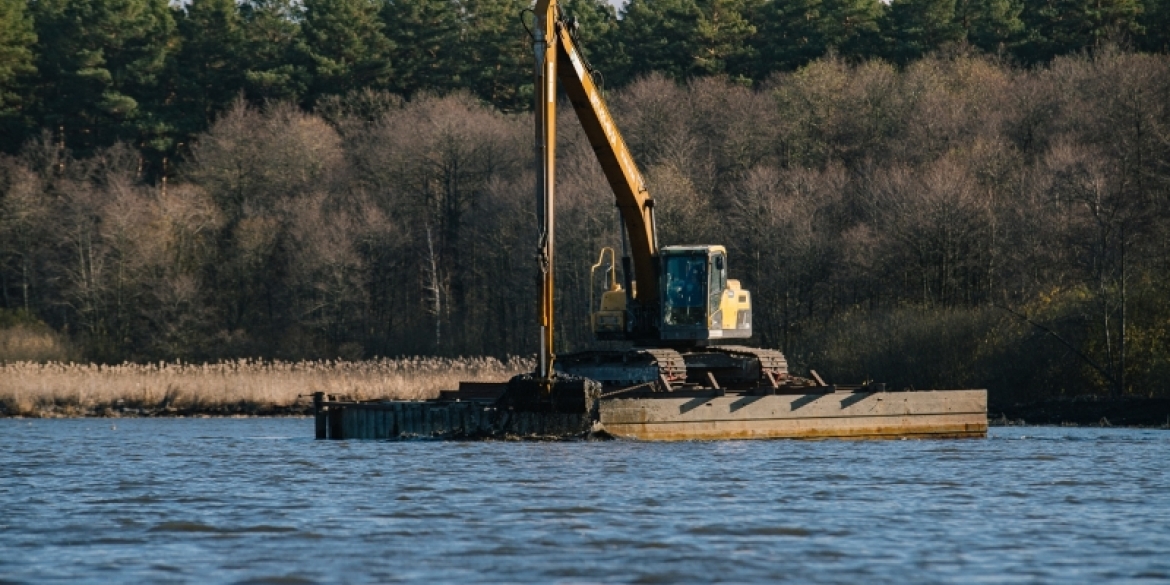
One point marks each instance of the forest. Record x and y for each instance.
(928, 193)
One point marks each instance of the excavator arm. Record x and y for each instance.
(634, 202)
(683, 298)
(558, 58)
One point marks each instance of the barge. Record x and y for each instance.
(483, 411)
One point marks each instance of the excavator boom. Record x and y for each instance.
(683, 298)
(558, 58)
(633, 200)
(545, 82)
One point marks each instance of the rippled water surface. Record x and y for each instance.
(230, 500)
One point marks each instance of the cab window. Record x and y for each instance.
(685, 298)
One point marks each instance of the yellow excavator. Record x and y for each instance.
(675, 303)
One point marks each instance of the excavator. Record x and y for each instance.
(676, 307)
(675, 304)
(680, 378)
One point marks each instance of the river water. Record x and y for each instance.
(258, 500)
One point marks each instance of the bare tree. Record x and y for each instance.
(24, 212)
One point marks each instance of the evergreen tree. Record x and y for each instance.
(723, 35)
(426, 35)
(1155, 20)
(100, 63)
(794, 32)
(852, 27)
(597, 33)
(17, 39)
(913, 28)
(272, 37)
(992, 25)
(155, 133)
(344, 46)
(685, 38)
(209, 68)
(497, 61)
(658, 35)
(1060, 27)
(791, 34)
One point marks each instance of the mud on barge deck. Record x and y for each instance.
(481, 411)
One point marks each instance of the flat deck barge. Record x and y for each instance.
(476, 411)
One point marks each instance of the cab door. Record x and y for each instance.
(716, 286)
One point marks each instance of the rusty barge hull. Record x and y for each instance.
(938, 414)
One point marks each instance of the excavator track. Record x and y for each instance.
(623, 368)
(731, 366)
(770, 359)
(735, 365)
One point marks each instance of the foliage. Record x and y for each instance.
(287, 179)
(344, 47)
(210, 65)
(17, 40)
(99, 68)
(154, 73)
(792, 34)
(23, 337)
(1053, 26)
(914, 28)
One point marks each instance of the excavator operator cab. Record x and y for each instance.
(699, 302)
(685, 297)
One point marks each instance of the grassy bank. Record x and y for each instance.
(228, 388)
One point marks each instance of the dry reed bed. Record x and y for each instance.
(232, 387)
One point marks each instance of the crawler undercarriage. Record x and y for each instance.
(720, 367)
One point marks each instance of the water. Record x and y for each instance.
(253, 501)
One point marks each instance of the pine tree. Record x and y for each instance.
(852, 27)
(791, 34)
(1155, 20)
(426, 35)
(685, 38)
(992, 25)
(209, 69)
(658, 35)
(17, 65)
(344, 47)
(497, 62)
(272, 39)
(723, 35)
(100, 63)
(794, 32)
(913, 28)
(597, 33)
(1061, 27)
